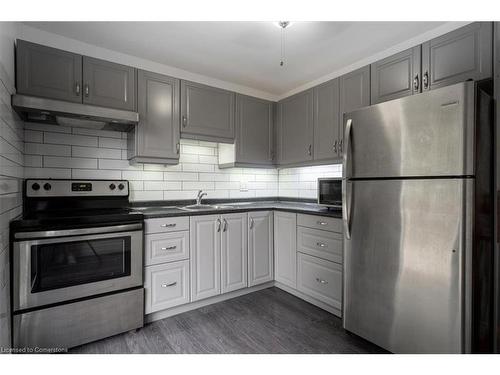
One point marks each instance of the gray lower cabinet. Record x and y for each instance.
(254, 139)
(234, 255)
(108, 84)
(285, 248)
(396, 76)
(205, 242)
(460, 55)
(260, 247)
(207, 113)
(156, 138)
(354, 93)
(295, 128)
(327, 133)
(48, 72)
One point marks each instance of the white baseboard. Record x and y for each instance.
(205, 302)
(309, 299)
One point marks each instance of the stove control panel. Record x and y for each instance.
(75, 188)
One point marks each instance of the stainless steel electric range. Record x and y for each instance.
(77, 263)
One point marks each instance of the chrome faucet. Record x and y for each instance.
(201, 194)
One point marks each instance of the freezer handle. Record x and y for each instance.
(346, 193)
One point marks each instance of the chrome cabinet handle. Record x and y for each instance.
(335, 146)
(77, 88)
(309, 150)
(169, 248)
(425, 80)
(416, 83)
(184, 121)
(168, 225)
(178, 147)
(321, 281)
(322, 222)
(340, 146)
(87, 90)
(167, 285)
(251, 223)
(321, 244)
(218, 225)
(225, 225)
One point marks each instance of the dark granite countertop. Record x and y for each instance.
(156, 209)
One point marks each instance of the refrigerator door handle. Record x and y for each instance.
(346, 196)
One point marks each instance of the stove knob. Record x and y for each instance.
(47, 186)
(35, 186)
(121, 186)
(112, 186)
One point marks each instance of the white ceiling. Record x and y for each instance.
(246, 53)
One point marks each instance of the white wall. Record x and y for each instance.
(11, 168)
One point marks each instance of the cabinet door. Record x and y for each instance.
(296, 128)
(285, 248)
(260, 247)
(396, 76)
(205, 256)
(156, 137)
(354, 94)
(254, 130)
(458, 56)
(326, 121)
(234, 257)
(48, 72)
(108, 84)
(207, 112)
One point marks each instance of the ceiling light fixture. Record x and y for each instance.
(283, 25)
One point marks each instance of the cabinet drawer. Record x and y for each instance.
(166, 285)
(320, 279)
(166, 247)
(166, 224)
(332, 224)
(322, 244)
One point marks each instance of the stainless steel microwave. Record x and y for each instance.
(330, 192)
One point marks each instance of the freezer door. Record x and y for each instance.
(405, 279)
(429, 134)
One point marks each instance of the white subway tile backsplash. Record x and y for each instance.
(66, 162)
(69, 139)
(61, 152)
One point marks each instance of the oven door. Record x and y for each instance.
(52, 270)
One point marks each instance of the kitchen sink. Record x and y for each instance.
(203, 207)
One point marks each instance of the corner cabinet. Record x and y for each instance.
(56, 74)
(207, 113)
(295, 129)
(396, 76)
(260, 247)
(156, 138)
(458, 56)
(254, 137)
(285, 248)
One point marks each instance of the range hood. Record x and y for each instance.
(50, 111)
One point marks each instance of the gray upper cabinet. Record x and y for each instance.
(460, 55)
(207, 113)
(396, 76)
(108, 84)
(254, 130)
(354, 94)
(295, 128)
(327, 131)
(156, 138)
(48, 72)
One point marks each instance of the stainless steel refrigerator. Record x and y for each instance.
(417, 214)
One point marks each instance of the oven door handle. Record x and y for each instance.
(77, 232)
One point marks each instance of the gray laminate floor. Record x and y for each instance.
(267, 321)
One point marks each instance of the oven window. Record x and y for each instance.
(59, 265)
